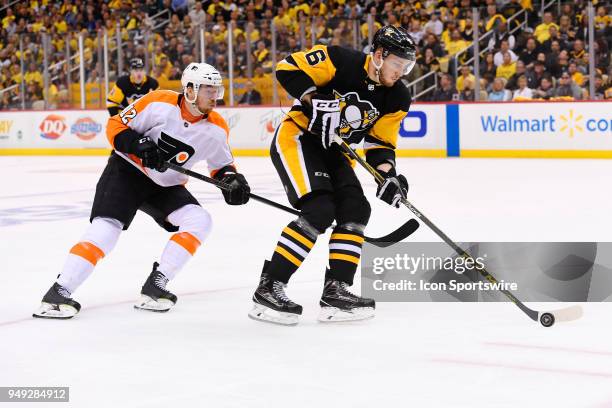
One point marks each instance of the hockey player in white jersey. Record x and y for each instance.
(182, 129)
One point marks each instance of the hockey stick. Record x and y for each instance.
(547, 319)
(395, 236)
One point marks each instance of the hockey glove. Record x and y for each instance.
(239, 192)
(324, 118)
(393, 189)
(147, 151)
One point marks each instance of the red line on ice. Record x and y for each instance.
(521, 367)
(549, 348)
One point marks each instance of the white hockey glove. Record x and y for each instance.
(325, 118)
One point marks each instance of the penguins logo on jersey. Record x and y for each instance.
(356, 114)
(175, 151)
(134, 97)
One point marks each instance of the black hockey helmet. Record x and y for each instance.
(396, 41)
(136, 63)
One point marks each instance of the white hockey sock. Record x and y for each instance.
(99, 239)
(194, 224)
(76, 270)
(174, 257)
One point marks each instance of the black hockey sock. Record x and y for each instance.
(292, 248)
(344, 254)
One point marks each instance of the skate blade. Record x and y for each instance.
(333, 314)
(265, 314)
(51, 311)
(151, 305)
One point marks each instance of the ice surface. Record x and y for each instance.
(207, 353)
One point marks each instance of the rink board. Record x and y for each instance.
(534, 129)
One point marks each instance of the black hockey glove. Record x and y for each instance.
(324, 119)
(393, 189)
(147, 151)
(239, 192)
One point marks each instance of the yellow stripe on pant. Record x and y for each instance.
(290, 150)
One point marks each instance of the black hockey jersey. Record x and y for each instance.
(125, 92)
(370, 111)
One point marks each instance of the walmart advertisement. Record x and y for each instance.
(532, 129)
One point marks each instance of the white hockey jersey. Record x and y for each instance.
(184, 139)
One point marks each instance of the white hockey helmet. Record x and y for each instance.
(197, 74)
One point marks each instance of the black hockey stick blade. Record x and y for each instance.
(407, 229)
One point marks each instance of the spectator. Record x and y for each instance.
(498, 59)
(551, 62)
(261, 54)
(600, 89)
(498, 91)
(415, 31)
(520, 70)
(494, 19)
(542, 31)
(445, 91)
(545, 90)
(428, 63)
(536, 75)
(251, 96)
(5, 101)
(456, 43)
(501, 33)
(467, 94)
(566, 88)
(431, 41)
(488, 70)
(508, 68)
(466, 75)
(523, 92)
(511, 8)
(434, 25)
(32, 75)
(530, 54)
(198, 15)
(576, 75)
(603, 20)
(563, 61)
(468, 31)
(577, 50)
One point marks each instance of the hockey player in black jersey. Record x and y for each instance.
(130, 87)
(359, 97)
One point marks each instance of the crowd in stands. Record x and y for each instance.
(546, 58)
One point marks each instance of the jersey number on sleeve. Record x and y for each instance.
(127, 114)
(316, 56)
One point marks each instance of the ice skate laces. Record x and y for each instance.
(63, 292)
(342, 289)
(160, 281)
(279, 290)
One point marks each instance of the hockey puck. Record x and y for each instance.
(547, 319)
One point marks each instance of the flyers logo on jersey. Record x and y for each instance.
(356, 114)
(53, 126)
(175, 151)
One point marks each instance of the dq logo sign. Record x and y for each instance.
(86, 128)
(52, 127)
(414, 124)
